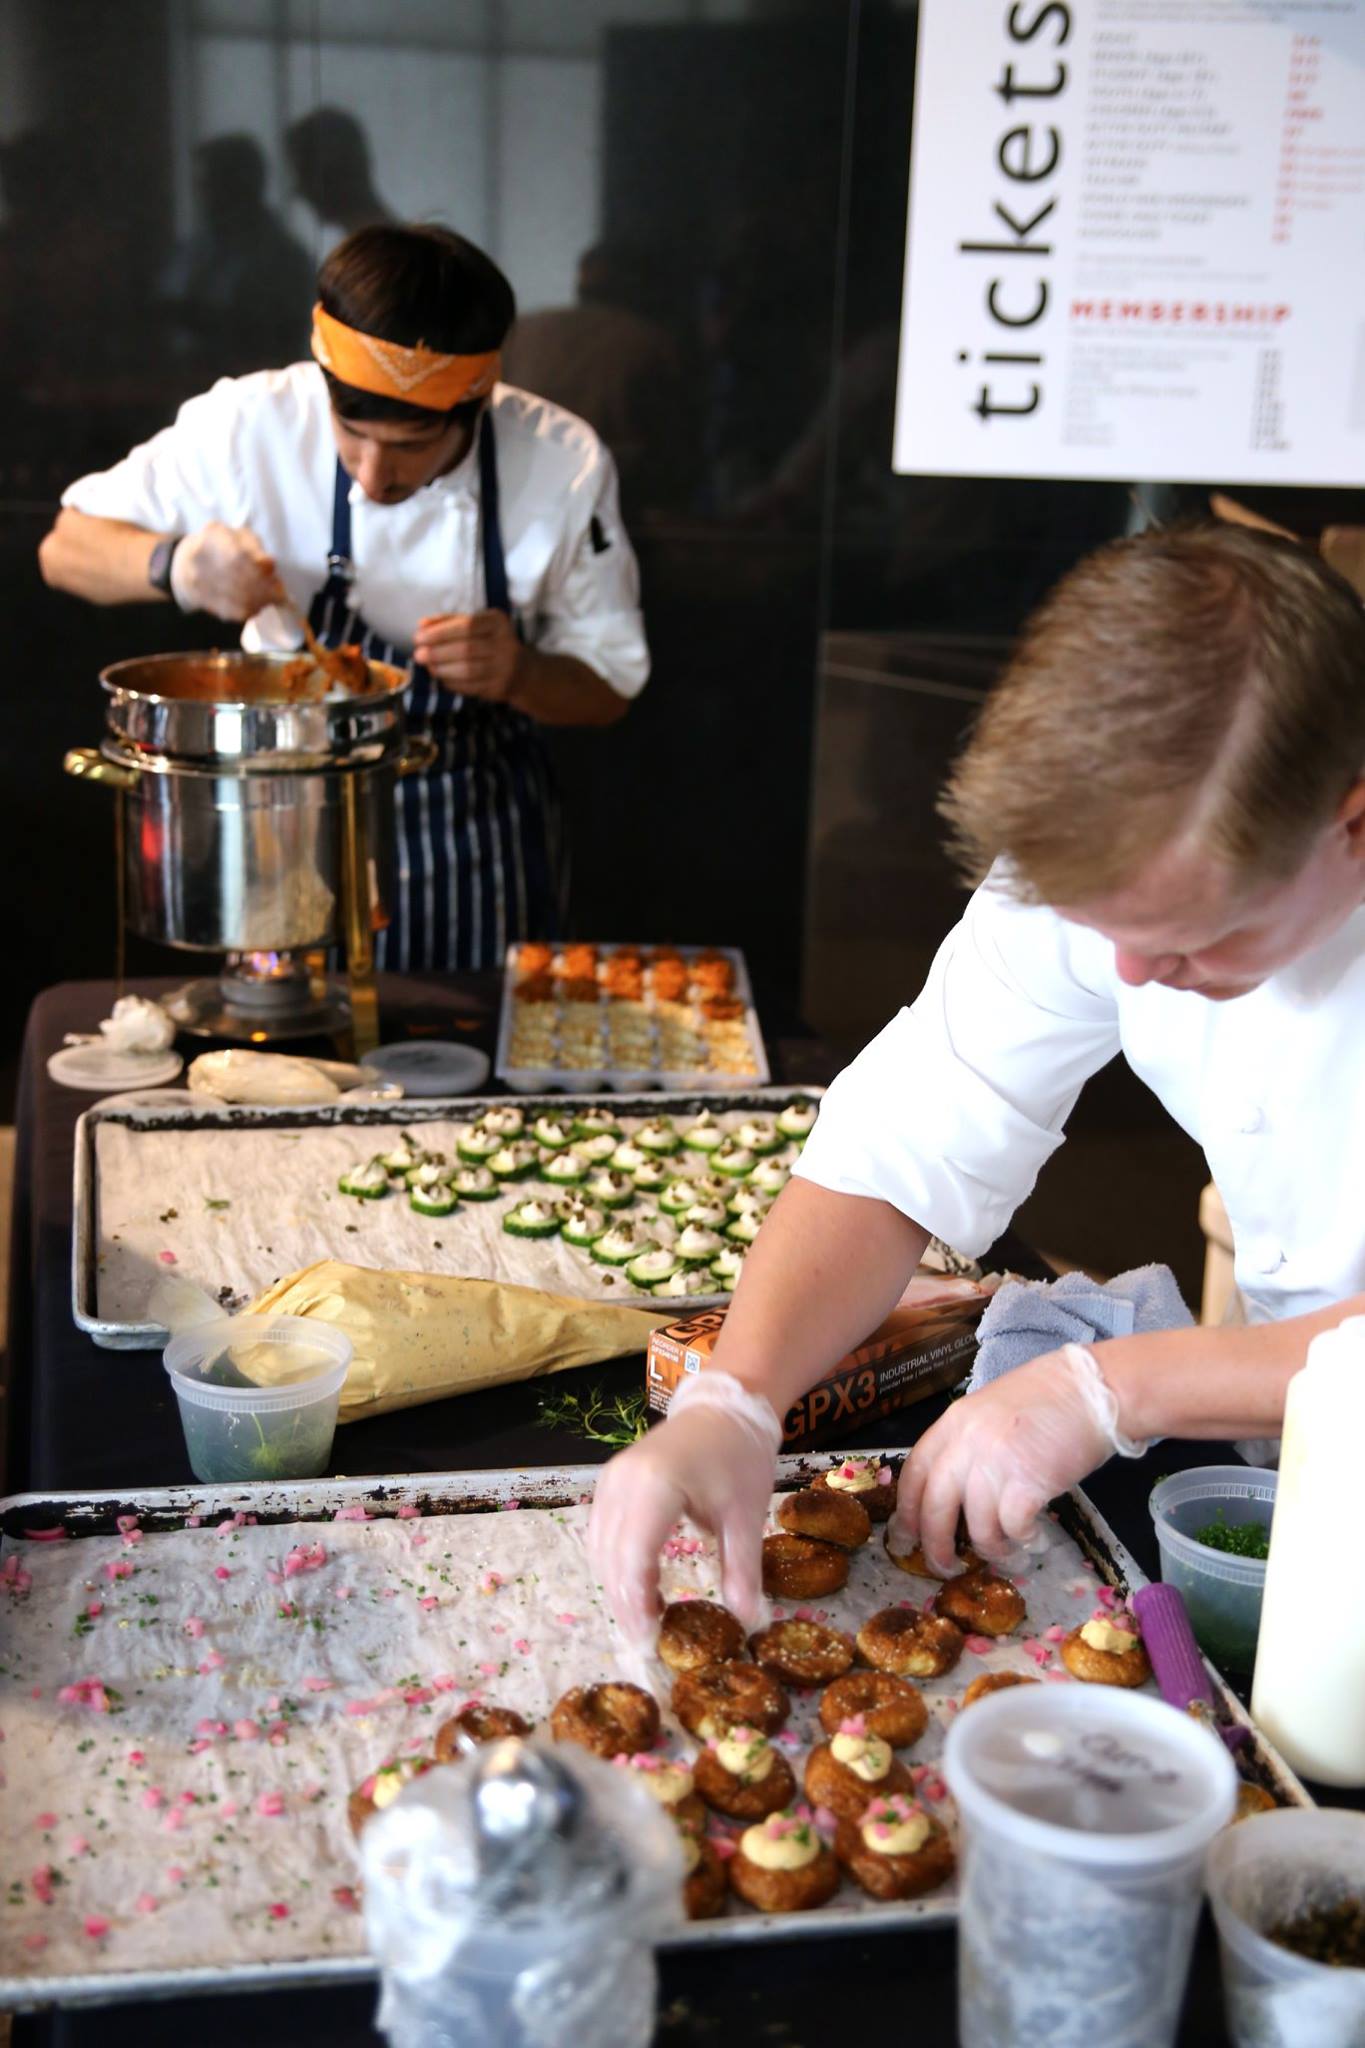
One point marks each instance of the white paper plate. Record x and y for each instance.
(430, 1066)
(96, 1068)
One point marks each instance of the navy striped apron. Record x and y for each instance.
(481, 859)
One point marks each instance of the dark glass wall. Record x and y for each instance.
(701, 205)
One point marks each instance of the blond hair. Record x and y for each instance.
(1205, 681)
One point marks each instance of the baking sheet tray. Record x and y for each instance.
(459, 1509)
(540, 1080)
(379, 1120)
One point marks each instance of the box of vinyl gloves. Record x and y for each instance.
(926, 1345)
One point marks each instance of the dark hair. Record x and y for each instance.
(1206, 680)
(414, 284)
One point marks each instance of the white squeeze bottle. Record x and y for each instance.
(1309, 1689)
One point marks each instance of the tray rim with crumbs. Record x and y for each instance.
(200, 1112)
(577, 1080)
(95, 1513)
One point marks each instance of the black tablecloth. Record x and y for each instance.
(83, 1418)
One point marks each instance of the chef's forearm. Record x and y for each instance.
(103, 560)
(823, 1272)
(559, 689)
(1221, 1383)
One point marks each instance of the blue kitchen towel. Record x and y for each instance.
(1028, 1317)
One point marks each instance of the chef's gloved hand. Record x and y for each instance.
(1001, 1454)
(224, 570)
(713, 1460)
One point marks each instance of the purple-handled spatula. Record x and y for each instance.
(1180, 1670)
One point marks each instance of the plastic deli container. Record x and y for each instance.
(258, 1395)
(1085, 1816)
(1264, 1871)
(1222, 1592)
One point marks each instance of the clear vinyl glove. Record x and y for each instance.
(714, 1460)
(1001, 1454)
(224, 570)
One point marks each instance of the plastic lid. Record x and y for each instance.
(1090, 1774)
(259, 1363)
(431, 1066)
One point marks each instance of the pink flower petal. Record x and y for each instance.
(357, 1512)
(279, 1911)
(193, 1626)
(522, 1646)
(408, 1513)
(174, 1874)
(167, 1259)
(980, 1646)
(35, 1942)
(221, 1571)
(213, 1662)
(96, 1927)
(144, 1903)
(153, 1797)
(270, 1805)
(346, 1897)
(136, 1758)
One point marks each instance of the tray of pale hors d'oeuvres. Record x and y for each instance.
(207, 1692)
(583, 1016)
(615, 1198)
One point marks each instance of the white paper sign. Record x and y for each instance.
(1136, 242)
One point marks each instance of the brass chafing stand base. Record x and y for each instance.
(357, 907)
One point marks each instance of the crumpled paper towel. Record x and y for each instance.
(421, 1336)
(134, 1025)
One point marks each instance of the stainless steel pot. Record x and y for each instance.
(235, 799)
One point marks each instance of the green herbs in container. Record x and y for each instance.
(258, 1395)
(1213, 1531)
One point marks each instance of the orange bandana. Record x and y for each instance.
(418, 376)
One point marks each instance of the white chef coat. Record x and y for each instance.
(259, 451)
(950, 1113)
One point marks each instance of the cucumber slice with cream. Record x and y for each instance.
(513, 1161)
(440, 1199)
(368, 1183)
(610, 1188)
(403, 1157)
(732, 1159)
(553, 1132)
(652, 1267)
(504, 1118)
(619, 1245)
(712, 1187)
(534, 1217)
(770, 1175)
(596, 1123)
(689, 1280)
(596, 1147)
(651, 1176)
(628, 1156)
(709, 1215)
(658, 1136)
(704, 1134)
(580, 1224)
(696, 1244)
(564, 1169)
(758, 1134)
(478, 1144)
(744, 1229)
(726, 1265)
(476, 1184)
(749, 1201)
(677, 1196)
(797, 1120)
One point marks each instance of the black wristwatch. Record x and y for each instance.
(159, 564)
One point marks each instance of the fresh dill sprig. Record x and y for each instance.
(598, 1414)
